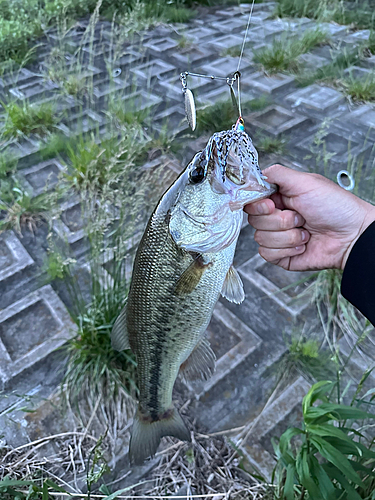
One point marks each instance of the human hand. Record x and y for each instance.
(310, 223)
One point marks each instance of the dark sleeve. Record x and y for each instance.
(358, 280)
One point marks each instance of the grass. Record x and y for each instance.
(359, 13)
(222, 115)
(93, 165)
(331, 72)
(24, 211)
(360, 89)
(328, 460)
(94, 368)
(283, 54)
(268, 144)
(28, 119)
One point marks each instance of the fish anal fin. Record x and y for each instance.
(119, 333)
(233, 287)
(190, 278)
(146, 434)
(201, 362)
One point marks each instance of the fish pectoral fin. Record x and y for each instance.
(233, 287)
(146, 434)
(119, 333)
(190, 278)
(201, 362)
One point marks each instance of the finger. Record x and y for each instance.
(279, 220)
(282, 239)
(262, 207)
(275, 255)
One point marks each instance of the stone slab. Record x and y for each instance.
(70, 225)
(316, 97)
(41, 177)
(364, 114)
(275, 120)
(272, 284)
(154, 70)
(31, 329)
(13, 256)
(236, 342)
(269, 84)
(264, 426)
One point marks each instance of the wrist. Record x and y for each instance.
(368, 219)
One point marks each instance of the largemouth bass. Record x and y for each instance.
(183, 263)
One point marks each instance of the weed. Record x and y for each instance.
(26, 211)
(232, 51)
(330, 72)
(57, 145)
(360, 15)
(222, 115)
(330, 459)
(94, 165)
(360, 89)
(94, 368)
(268, 144)
(175, 14)
(27, 118)
(184, 42)
(283, 54)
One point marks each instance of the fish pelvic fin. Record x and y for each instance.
(146, 434)
(190, 278)
(119, 333)
(200, 364)
(233, 287)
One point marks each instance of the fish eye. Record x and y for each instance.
(197, 175)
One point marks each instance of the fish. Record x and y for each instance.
(184, 262)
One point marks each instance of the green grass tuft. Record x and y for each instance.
(222, 115)
(331, 72)
(282, 54)
(359, 14)
(267, 144)
(27, 118)
(24, 211)
(360, 89)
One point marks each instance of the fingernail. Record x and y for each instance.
(262, 208)
(296, 221)
(299, 248)
(304, 235)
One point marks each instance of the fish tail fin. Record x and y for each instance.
(146, 435)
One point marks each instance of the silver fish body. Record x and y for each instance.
(183, 264)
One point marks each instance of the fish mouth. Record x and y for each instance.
(241, 177)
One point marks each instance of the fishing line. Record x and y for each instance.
(245, 37)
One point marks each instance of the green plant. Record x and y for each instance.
(283, 54)
(268, 144)
(330, 459)
(360, 89)
(222, 115)
(360, 14)
(27, 118)
(26, 211)
(94, 165)
(94, 367)
(331, 72)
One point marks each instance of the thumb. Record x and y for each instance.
(290, 181)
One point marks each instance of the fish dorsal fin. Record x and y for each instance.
(201, 362)
(233, 287)
(119, 334)
(190, 278)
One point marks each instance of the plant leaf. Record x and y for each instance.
(289, 482)
(336, 458)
